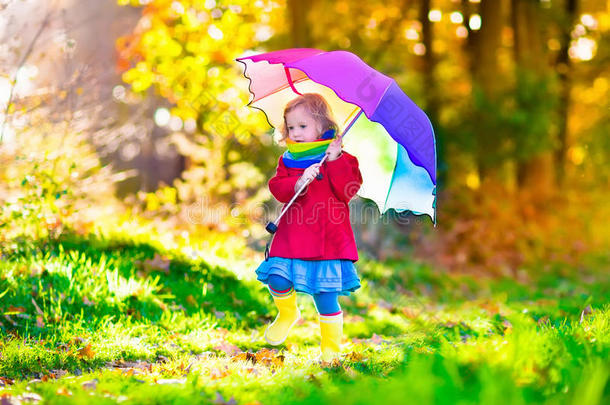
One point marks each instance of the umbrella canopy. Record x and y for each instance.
(388, 133)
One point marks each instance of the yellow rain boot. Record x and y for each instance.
(288, 315)
(331, 332)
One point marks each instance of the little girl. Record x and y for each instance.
(313, 249)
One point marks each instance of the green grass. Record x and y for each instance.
(123, 319)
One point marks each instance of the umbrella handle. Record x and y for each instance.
(272, 226)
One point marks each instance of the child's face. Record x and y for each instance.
(302, 127)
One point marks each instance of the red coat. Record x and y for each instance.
(317, 225)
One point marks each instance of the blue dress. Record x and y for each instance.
(312, 276)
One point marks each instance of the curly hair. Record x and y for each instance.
(315, 105)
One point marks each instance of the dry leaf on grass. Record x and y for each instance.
(29, 398)
(585, 312)
(157, 263)
(63, 391)
(5, 381)
(490, 307)
(191, 300)
(90, 385)
(218, 373)
(410, 313)
(264, 356)
(228, 348)
(334, 363)
(354, 357)
(14, 310)
(86, 352)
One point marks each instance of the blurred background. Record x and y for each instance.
(131, 114)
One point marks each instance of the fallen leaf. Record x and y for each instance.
(30, 397)
(63, 391)
(409, 313)
(543, 321)
(269, 357)
(223, 331)
(244, 356)
(48, 377)
(253, 370)
(5, 381)
(78, 340)
(128, 372)
(158, 262)
(86, 352)
(58, 373)
(354, 356)
(90, 385)
(334, 363)
(385, 305)
(490, 307)
(228, 348)
(8, 318)
(377, 339)
(14, 310)
(350, 372)
(217, 373)
(585, 312)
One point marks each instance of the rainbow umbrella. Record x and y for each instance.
(393, 140)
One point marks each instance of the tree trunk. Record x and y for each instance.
(536, 174)
(429, 63)
(483, 45)
(564, 69)
(298, 17)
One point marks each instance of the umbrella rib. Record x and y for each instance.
(290, 80)
(280, 89)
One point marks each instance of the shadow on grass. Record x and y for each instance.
(49, 282)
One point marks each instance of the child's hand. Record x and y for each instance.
(334, 149)
(308, 175)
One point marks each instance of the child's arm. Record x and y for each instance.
(344, 176)
(282, 184)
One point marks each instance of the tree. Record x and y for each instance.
(563, 66)
(185, 51)
(534, 100)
